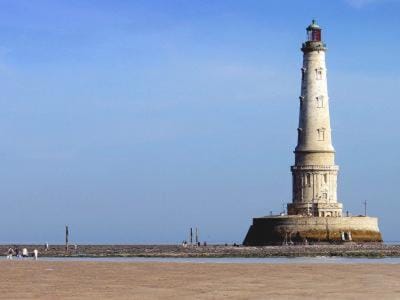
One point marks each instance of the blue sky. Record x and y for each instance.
(133, 121)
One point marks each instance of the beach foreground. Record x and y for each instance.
(149, 280)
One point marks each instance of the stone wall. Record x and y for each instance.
(299, 229)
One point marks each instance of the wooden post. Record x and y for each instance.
(66, 237)
(365, 208)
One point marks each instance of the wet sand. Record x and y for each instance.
(108, 280)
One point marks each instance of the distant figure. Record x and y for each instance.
(198, 244)
(46, 246)
(76, 247)
(205, 244)
(10, 253)
(25, 252)
(35, 254)
(349, 236)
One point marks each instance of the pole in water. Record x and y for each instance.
(66, 237)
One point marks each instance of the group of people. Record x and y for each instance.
(185, 244)
(21, 253)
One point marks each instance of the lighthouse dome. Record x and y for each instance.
(313, 25)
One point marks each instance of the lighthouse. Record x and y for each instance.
(314, 174)
(314, 214)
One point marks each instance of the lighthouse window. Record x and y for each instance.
(308, 179)
(320, 101)
(318, 73)
(303, 72)
(321, 134)
(299, 134)
(301, 101)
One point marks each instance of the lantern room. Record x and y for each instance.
(314, 32)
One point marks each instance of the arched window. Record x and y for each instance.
(320, 101)
(308, 179)
(299, 130)
(321, 134)
(318, 73)
(303, 73)
(301, 98)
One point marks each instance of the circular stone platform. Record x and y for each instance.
(276, 230)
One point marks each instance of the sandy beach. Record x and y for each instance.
(116, 280)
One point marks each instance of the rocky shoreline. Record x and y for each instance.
(345, 250)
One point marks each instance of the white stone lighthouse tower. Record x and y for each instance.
(315, 215)
(314, 173)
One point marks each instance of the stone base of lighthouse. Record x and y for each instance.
(278, 230)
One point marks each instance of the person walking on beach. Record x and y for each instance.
(17, 252)
(35, 254)
(10, 253)
(25, 252)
